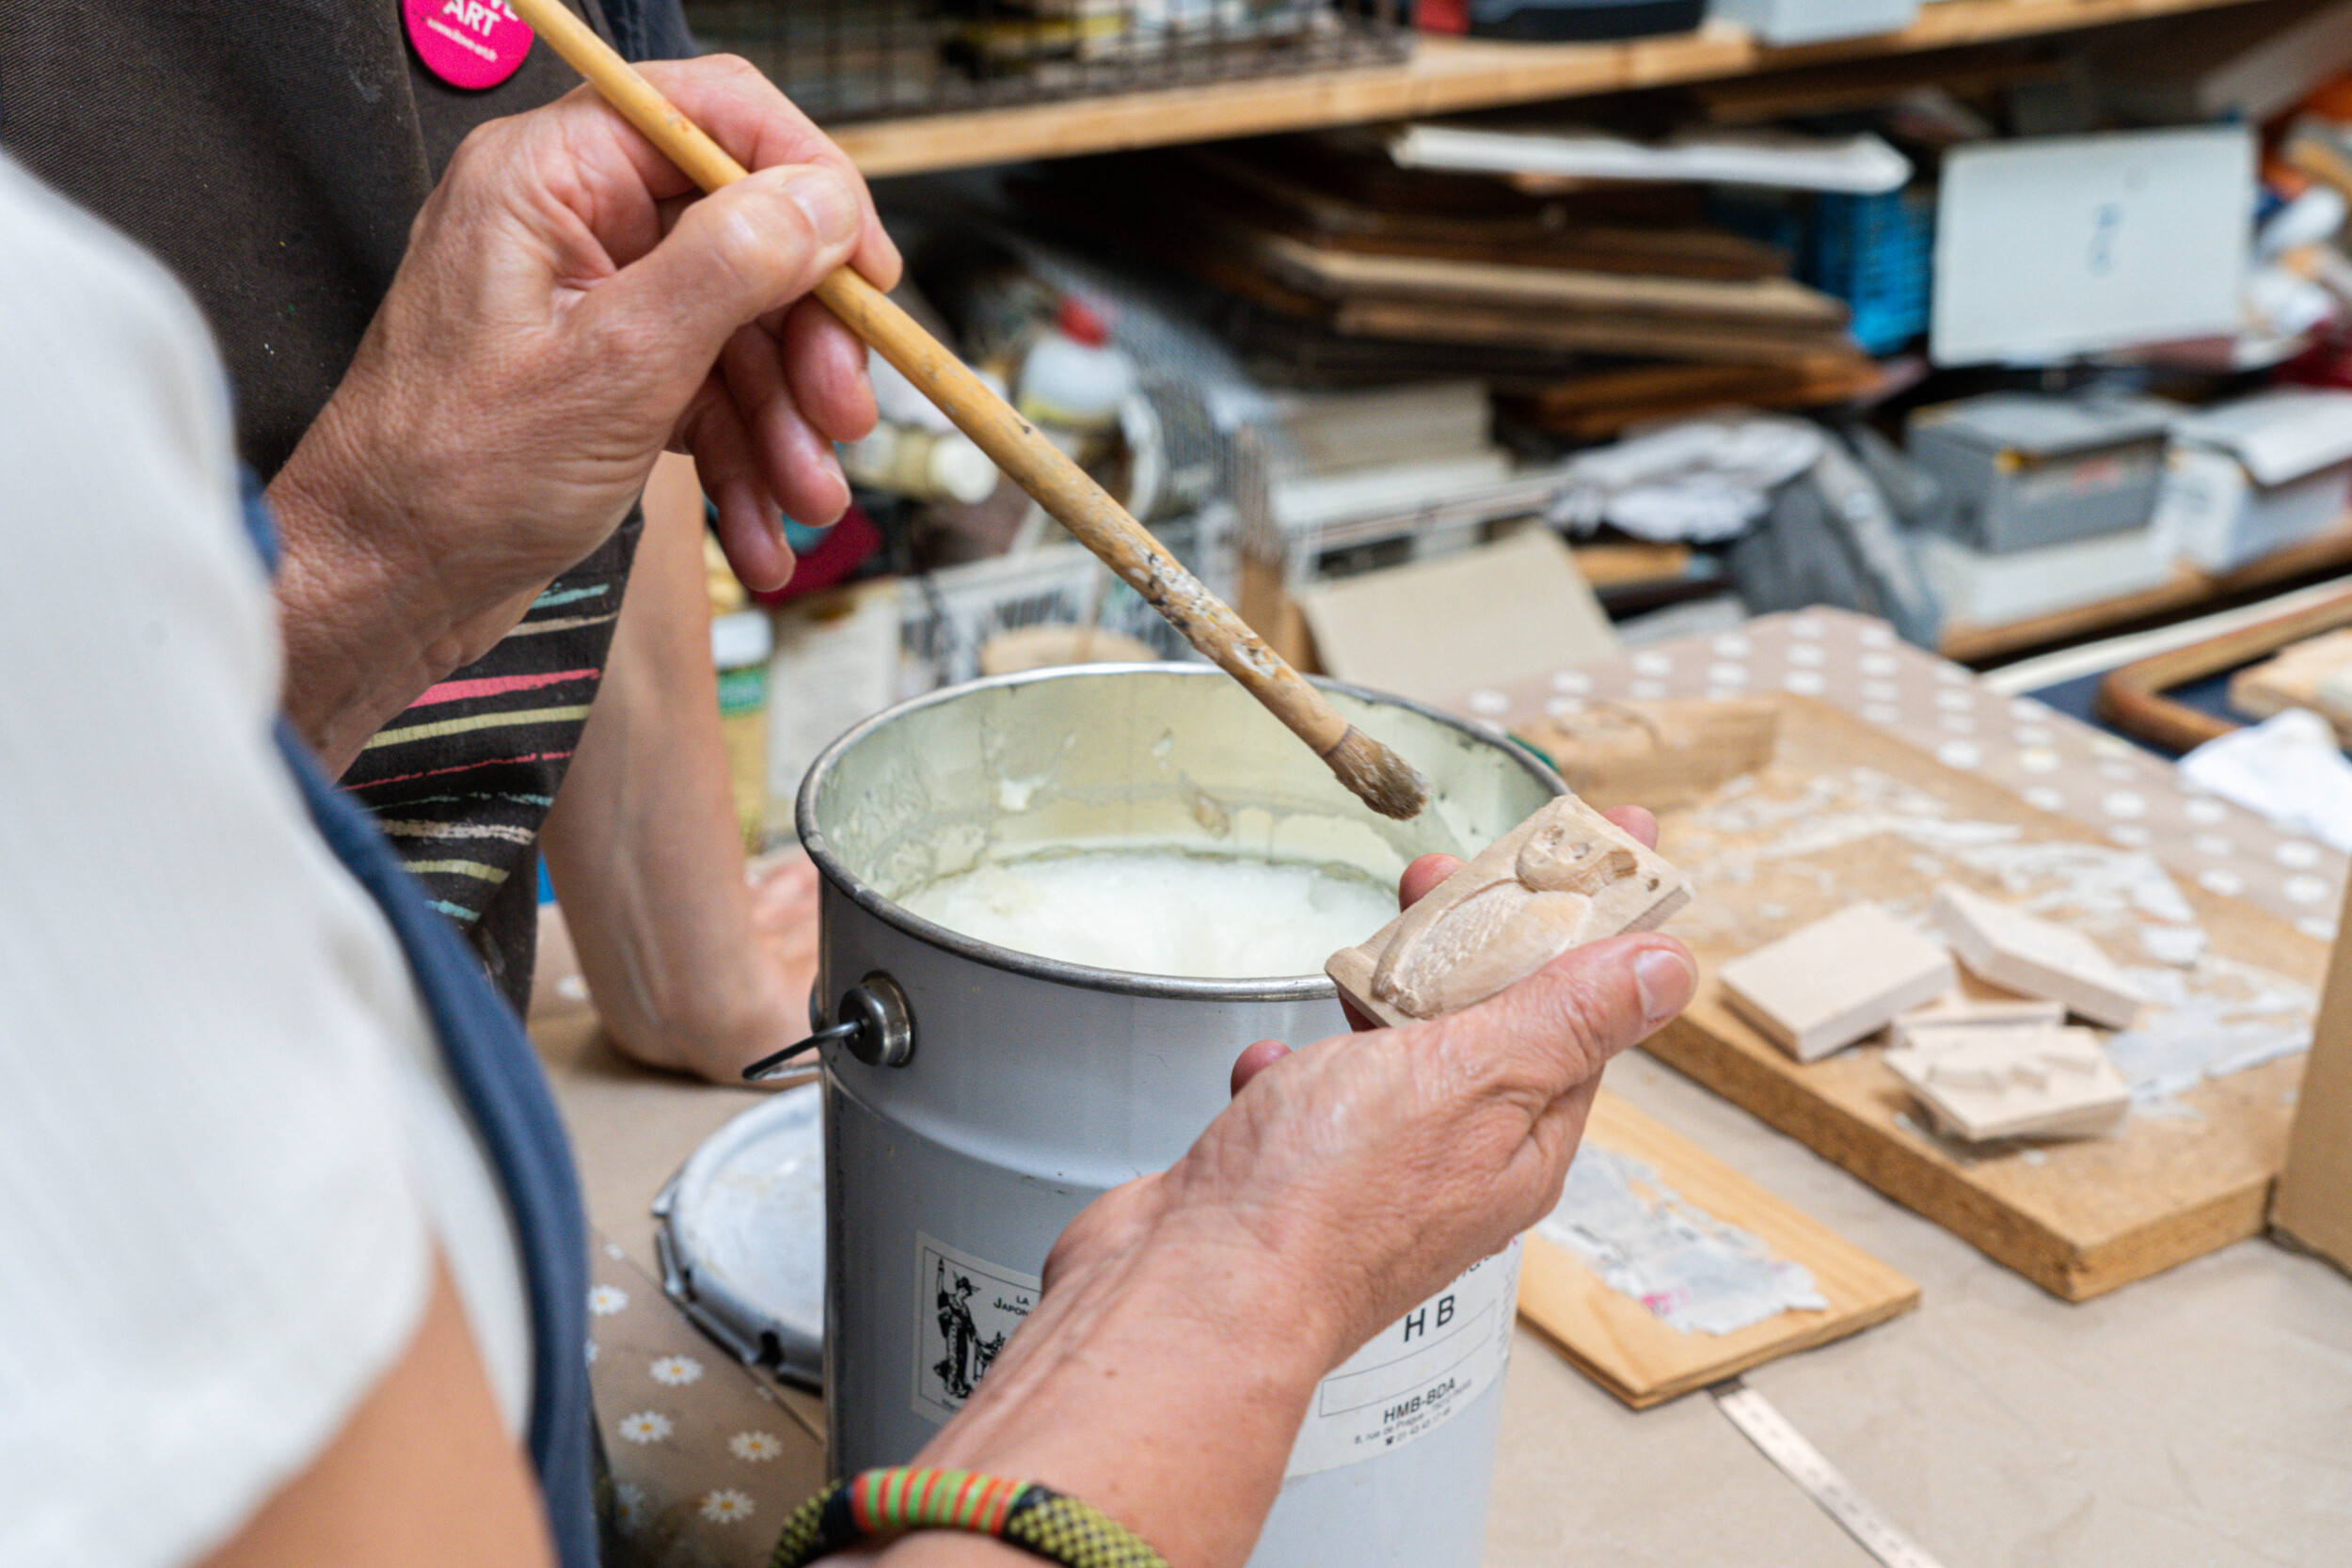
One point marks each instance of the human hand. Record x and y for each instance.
(1346, 1182)
(1375, 1167)
(738, 1020)
(568, 309)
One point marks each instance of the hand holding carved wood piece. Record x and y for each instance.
(1564, 877)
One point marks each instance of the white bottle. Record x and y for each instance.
(1072, 378)
(923, 465)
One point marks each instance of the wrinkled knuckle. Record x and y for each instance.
(744, 250)
(1582, 1022)
(631, 337)
(1458, 1062)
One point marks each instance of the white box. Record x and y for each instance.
(2249, 478)
(1983, 590)
(2058, 246)
(1787, 21)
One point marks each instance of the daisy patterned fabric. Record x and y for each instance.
(706, 1459)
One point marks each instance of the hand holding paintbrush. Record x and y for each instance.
(1376, 774)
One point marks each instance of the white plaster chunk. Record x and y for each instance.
(1825, 986)
(1996, 1082)
(2025, 953)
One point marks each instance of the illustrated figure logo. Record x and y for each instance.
(968, 1355)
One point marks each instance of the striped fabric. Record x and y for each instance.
(462, 780)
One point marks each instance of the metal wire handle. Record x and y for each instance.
(874, 1024)
(769, 1066)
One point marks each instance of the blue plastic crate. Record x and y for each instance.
(1874, 252)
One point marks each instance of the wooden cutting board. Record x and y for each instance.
(2076, 1218)
(1630, 1350)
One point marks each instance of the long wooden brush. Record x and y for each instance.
(1380, 778)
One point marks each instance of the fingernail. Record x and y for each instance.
(1665, 980)
(831, 209)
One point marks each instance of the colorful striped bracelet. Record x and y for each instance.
(1037, 1519)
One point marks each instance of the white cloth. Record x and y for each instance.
(2290, 768)
(1702, 480)
(224, 1152)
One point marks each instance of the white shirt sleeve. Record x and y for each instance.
(214, 1235)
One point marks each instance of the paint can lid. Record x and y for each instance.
(741, 1237)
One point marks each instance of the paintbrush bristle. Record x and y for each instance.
(1377, 776)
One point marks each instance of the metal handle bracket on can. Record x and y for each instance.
(873, 1023)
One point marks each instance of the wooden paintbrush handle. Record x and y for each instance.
(1085, 508)
(1034, 463)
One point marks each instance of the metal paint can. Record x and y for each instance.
(1013, 1089)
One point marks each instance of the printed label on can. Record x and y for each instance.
(1412, 1378)
(966, 1310)
(1416, 1374)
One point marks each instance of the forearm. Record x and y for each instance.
(366, 628)
(642, 844)
(1163, 1383)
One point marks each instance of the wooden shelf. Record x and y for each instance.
(2332, 552)
(1442, 76)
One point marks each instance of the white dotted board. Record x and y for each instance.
(2052, 760)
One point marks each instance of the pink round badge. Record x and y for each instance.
(466, 43)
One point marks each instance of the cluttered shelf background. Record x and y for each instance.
(1359, 82)
(2012, 322)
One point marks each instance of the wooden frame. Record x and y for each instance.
(2132, 698)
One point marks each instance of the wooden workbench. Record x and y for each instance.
(2201, 1416)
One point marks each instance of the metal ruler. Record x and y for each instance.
(1802, 1463)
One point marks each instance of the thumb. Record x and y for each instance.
(736, 254)
(1556, 1029)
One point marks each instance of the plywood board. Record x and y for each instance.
(2077, 1219)
(1597, 332)
(1349, 273)
(1626, 1348)
(2314, 1204)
